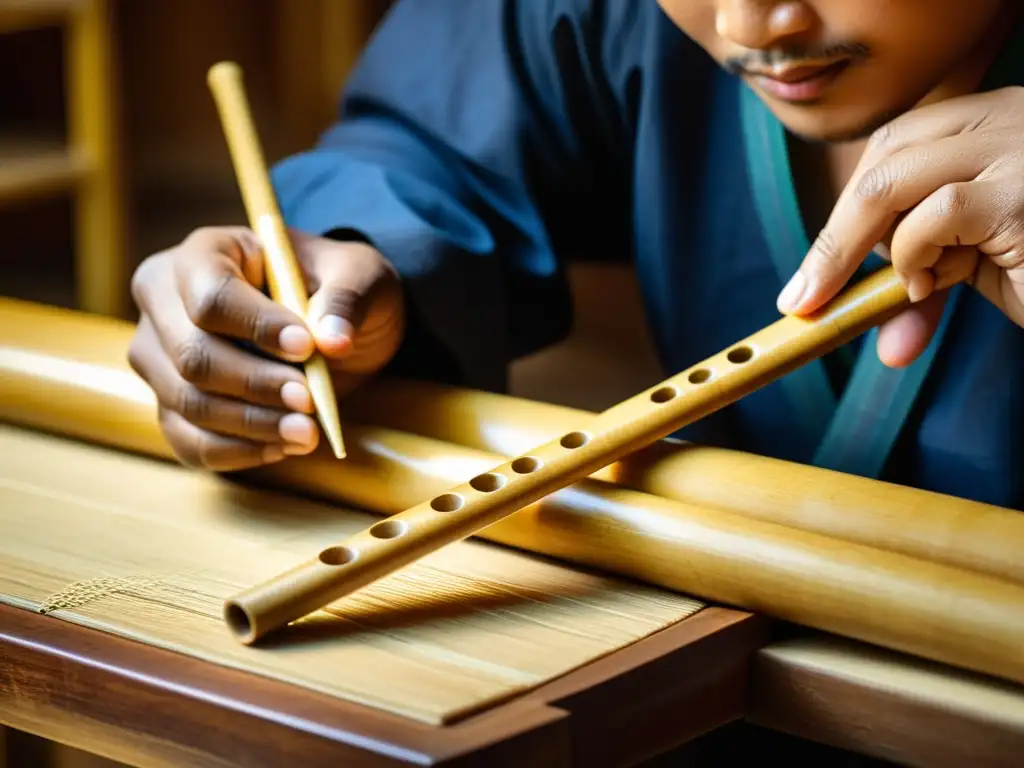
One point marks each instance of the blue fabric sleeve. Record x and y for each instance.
(458, 155)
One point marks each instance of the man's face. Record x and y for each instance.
(838, 69)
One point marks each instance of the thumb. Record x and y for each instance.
(346, 278)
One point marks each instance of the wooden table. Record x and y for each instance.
(887, 705)
(477, 655)
(151, 707)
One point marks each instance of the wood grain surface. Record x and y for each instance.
(919, 605)
(150, 550)
(145, 705)
(887, 705)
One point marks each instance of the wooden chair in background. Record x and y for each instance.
(84, 161)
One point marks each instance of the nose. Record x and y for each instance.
(761, 24)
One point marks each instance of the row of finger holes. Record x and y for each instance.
(489, 482)
(737, 356)
(524, 465)
(453, 502)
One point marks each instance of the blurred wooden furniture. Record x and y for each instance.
(319, 49)
(83, 163)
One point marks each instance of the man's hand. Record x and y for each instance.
(950, 178)
(222, 407)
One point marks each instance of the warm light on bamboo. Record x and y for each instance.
(67, 372)
(471, 506)
(284, 276)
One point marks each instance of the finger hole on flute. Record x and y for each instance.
(574, 440)
(699, 376)
(488, 482)
(664, 394)
(337, 556)
(524, 465)
(389, 529)
(448, 502)
(739, 355)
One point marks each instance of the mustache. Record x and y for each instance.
(767, 59)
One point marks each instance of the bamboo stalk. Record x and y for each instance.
(67, 373)
(471, 506)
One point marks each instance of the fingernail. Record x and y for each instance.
(335, 329)
(297, 428)
(273, 453)
(790, 297)
(295, 340)
(296, 397)
(918, 289)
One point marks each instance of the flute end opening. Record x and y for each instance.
(240, 623)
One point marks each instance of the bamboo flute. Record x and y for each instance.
(929, 525)
(67, 372)
(284, 275)
(469, 507)
(927, 609)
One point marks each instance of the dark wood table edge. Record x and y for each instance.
(169, 709)
(796, 689)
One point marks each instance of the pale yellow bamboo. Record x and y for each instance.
(68, 372)
(941, 528)
(284, 275)
(471, 506)
(59, 361)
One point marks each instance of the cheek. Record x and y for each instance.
(696, 18)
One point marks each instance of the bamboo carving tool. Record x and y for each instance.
(284, 275)
(639, 421)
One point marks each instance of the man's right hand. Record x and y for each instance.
(222, 407)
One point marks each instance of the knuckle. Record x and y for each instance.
(181, 446)
(136, 354)
(825, 250)
(143, 278)
(263, 328)
(193, 405)
(210, 305)
(878, 183)
(192, 359)
(206, 452)
(950, 201)
(205, 235)
(252, 420)
(882, 137)
(259, 386)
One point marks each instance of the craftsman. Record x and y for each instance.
(749, 156)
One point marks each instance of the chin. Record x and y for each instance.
(822, 122)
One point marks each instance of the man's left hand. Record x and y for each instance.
(950, 178)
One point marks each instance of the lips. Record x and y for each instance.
(803, 83)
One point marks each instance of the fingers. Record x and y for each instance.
(350, 280)
(199, 448)
(215, 366)
(229, 429)
(932, 122)
(1003, 287)
(869, 207)
(902, 339)
(940, 237)
(218, 299)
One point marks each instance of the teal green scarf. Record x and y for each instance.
(856, 431)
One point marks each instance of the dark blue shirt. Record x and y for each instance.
(480, 142)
